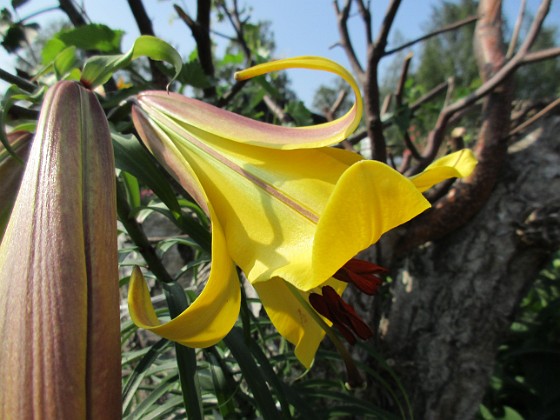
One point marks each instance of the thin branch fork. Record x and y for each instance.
(342, 21)
(516, 30)
(467, 197)
(436, 136)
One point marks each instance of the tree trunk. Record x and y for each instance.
(454, 299)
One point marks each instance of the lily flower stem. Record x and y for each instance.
(139, 238)
(353, 375)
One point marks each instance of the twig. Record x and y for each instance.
(498, 77)
(516, 30)
(467, 197)
(18, 81)
(331, 112)
(427, 97)
(237, 24)
(276, 109)
(371, 85)
(342, 21)
(402, 80)
(446, 28)
(550, 107)
(200, 30)
(541, 55)
(366, 17)
(228, 96)
(76, 17)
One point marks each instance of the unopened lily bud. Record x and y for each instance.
(59, 302)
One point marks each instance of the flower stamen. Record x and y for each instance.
(341, 314)
(362, 274)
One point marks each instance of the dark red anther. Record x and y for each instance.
(364, 275)
(341, 314)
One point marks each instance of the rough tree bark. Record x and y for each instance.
(454, 298)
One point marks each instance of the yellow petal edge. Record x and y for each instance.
(209, 318)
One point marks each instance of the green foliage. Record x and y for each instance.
(526, 381)
(93, 37)
(449, 54)
(15, 34)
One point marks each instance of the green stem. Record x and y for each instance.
(138, 236)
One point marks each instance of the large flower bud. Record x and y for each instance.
(59, 302)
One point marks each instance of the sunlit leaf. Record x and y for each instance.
(99, 69)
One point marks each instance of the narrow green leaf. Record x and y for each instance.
(224, 384)
(139, 372)
(132, 189)
(252, 374)
(130, 156)
(186, 357)
(168, 383)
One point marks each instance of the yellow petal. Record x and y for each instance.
(455, 165)
(209, 318)
(369, 199)
(292, 320)
(191, 113)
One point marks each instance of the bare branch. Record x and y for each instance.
(342, 20)
(447, 28)
(276, 109)
(200, 30)
(541, 55)
(516, 30)
(466, 198)
(550, 107)
(226, 99)
(366, 17)
(381, 41)
(76, 16)
(330, 112)
(371, 85)
(494, 67)
(237, 24)
(402, 80)
(429, 96)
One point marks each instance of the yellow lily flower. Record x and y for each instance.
(59, 299)
(286, 208)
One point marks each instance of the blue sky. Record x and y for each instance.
(301, 27)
